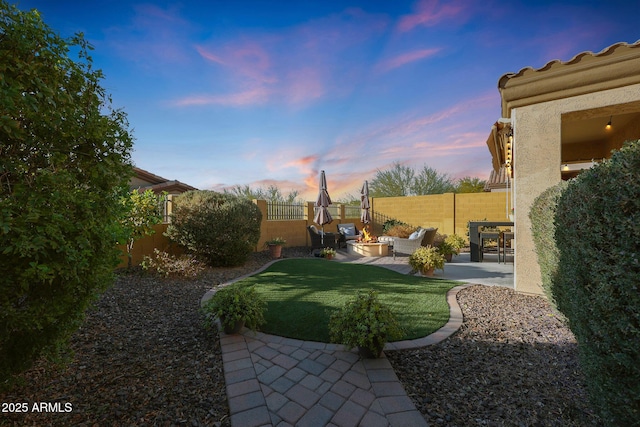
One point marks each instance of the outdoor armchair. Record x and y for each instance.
(410, 244)
(330, 239)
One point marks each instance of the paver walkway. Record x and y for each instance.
(276, 381)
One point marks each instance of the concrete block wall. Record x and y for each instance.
(479, 206)
(448, 212)
(147, 244)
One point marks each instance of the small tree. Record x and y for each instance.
(470, 185)
(64, 160)
(221, 229)
(142, 213)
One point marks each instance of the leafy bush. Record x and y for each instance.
(143, 212)
(424, 258)
(65, 162)
(364, 322)
(450, 245)
(166, 265)
(543, 227)
(400, 230)
(220, 229)
(598, 238)
(233, 304)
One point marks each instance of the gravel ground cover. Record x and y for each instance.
(143, 358)
(512, 363)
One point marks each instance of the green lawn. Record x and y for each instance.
(301, 294)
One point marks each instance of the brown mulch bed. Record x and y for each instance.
(142, 357)
(513, 362)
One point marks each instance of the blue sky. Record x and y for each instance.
(224, 93)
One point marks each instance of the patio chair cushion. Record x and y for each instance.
(347, 229)
(414, 235)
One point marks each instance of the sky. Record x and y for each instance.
(259, 93)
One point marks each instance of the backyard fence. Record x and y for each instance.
(450, 213)
(278, 211)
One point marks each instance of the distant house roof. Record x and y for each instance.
(587, 72)
(145, 180)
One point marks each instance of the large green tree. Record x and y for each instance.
(470, 185)
(401, 180)
(272, 194)
(64, 162)
(395, 181)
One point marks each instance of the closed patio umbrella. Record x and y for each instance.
(323, 216)
(365, 215)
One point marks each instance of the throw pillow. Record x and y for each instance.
(348, 231)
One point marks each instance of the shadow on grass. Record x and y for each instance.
(301, 294)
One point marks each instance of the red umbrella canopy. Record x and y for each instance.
(365, 216)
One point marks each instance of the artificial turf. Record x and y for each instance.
(302, 293)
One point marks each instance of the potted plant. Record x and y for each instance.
(328, 253)
(425, 260)
(235, 306)
(450, 246)
(366, 323)
(275, 246)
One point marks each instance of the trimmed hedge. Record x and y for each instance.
(220, 229)
(597, 287)
(543, 227)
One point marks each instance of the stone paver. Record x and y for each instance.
(287, 382)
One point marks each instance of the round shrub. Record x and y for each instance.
(543, 227)
(221, 229)
(597, 287)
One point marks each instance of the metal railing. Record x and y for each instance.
(285, 211)
(352, 211)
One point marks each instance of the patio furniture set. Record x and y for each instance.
(348, 236)
(482, 232)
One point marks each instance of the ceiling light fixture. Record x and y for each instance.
(608, 126)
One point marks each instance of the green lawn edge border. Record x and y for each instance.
(451, 326)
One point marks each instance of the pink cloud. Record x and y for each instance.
(302, 162)
(250, 97)
(297, 65)
(406, 58)
(429, 13)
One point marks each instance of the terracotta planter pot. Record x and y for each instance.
(428, 271)
(366, 353)
(233, 329)
(328, 256)
(276, 251)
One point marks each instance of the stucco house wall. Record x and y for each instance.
(537, 148)
(589, 89)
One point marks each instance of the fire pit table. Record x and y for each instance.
(368, 249)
